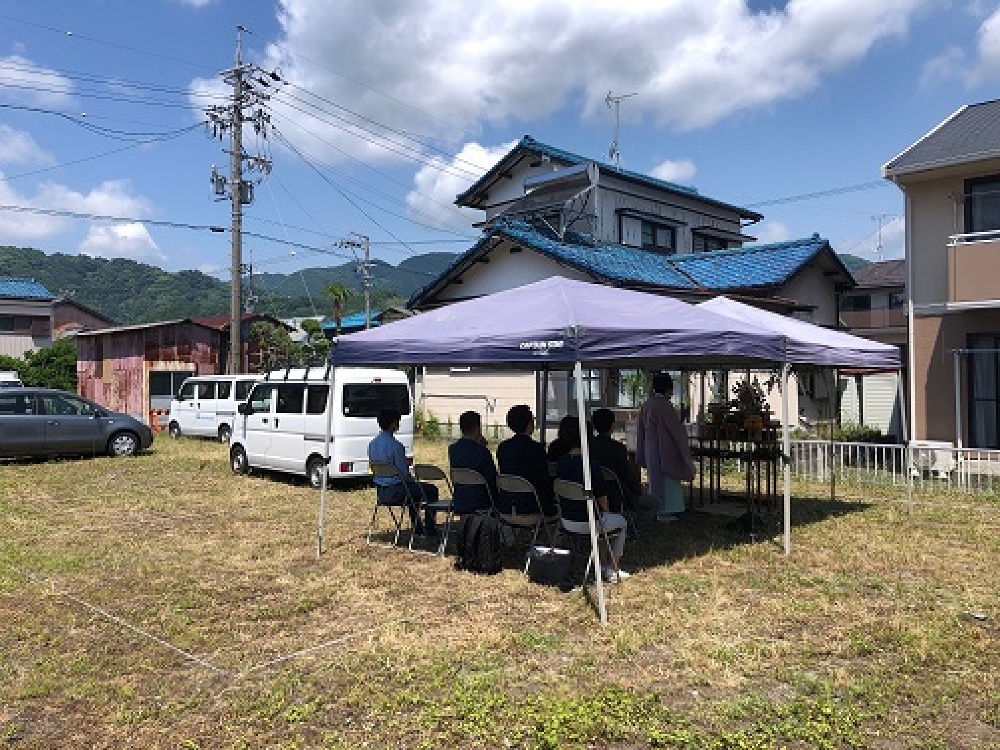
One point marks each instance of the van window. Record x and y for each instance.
(243, 388)
(291, 399)
(206, 390)
(365, 399)
(316, 399)
(187, 390)
(261, 397)
(225, 387)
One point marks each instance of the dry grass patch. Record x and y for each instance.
(162, 602)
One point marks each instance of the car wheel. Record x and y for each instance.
(225, 432)
(314, 470)
(123, 444)
(174, 430)
(238, 460)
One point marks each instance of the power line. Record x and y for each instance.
(820, 194)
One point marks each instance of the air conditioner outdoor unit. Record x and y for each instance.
(934, 457)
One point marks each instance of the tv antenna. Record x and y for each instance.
(882, 220)
(614, 101)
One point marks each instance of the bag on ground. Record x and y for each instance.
(550, 566)
(479, 545)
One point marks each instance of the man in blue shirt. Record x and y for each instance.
(386, 449)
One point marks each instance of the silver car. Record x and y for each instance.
(48, 422)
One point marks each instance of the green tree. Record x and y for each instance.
(317, 343)
(339, 293)
(52, 367)
(276, 346)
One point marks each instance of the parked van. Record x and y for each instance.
(10, 379)
(283, 422)
(205, 406)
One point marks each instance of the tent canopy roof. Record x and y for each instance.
(806, 343)
(556, 322)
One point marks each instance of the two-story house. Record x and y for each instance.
(951, 180)
(549, 212)
(875, 309)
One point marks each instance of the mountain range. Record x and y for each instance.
(130, 292)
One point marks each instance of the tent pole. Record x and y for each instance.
(834, 420)
(543, 408)
(588, 490)
(904, 424)
(326, 462)
(786, 448)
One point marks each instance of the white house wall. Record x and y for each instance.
(811, 287)
(506, 270)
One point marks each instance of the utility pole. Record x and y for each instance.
(247, 108)
(364, 269)
(615, 102)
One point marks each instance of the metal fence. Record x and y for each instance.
(933, 466)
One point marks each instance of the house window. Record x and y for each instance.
(897, 300)
(982, 204)
(984, 392)
(659, 238)
(856, 302)
(703, 243)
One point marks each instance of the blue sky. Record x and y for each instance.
(101, 100)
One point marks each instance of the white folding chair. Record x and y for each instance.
(432, 473)
(573, 492)
(535, 521)
(382, 500)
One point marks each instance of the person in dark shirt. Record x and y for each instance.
(574, 513)
(607, 452)
(522, 456)
(470, 452)
(560, 447)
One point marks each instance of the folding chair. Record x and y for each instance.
(534, 521)
(627, 508)
(432, 473)
(573, 492)
(382, 500)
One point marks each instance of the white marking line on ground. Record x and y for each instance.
(128, 626)
(328, 644)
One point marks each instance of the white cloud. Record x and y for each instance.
(196, 3)
(943, 67)
(771, 231)
(680, 170)
(18, 147)
(987, 68)
(436, 185)
(110, 198)
(130, 240)
(691, 63)
(23, 81)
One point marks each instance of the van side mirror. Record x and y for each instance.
(245, 409)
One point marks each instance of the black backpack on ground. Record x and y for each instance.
(479, 545)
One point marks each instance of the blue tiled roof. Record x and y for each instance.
(568, 157)
(354, 320)
(22, 289)
(749, 267)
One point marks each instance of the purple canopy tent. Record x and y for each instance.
(806, 343)
(557, 323)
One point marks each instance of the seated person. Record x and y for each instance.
(574, 513)
(470, 452)
(522, 456)
(559, 447)
(611, 454)
(386, 449)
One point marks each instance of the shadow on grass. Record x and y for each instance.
(698, 533)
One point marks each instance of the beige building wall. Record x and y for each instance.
(447, 392)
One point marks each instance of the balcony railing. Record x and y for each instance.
(884, 318)
(974, 267)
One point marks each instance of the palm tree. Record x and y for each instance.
(339, 292)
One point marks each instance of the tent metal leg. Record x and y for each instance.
(588, 487)
(326, 463)
(786, 447)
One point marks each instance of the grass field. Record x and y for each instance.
(160, 602)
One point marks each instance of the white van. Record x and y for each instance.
(283, 422)
(205, 405)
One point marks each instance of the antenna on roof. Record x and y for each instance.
(614, 102)
(881, 219)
